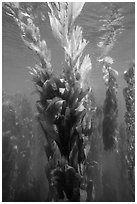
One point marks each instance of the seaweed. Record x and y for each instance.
(112, 26)
(63, 101)
(129, 95)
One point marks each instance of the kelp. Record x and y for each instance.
(23, 173)
(110, 110)
(8, 150)
(63, 102)
(67, 113)
(112, 26)
(71, 143)
(16, 145)
(129, 95)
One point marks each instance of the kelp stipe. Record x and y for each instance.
(129, 95)
(42, 71)
(8, 151)
(113, 26)
(17, 137)
(110, 110)
(75, 94)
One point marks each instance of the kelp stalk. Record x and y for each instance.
(129, 95)
(63, 100)
(112, 25)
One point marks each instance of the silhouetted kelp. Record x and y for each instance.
(63, 101)
(129, 95)
(74, 128)
(19, 182)
(112, 26)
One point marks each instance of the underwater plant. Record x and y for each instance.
(112, 26)
(17, 139)
(124, 189)
(129, 95)
(8, 150)
(64, 101)
(74, 166)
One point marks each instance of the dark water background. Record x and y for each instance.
(16, 56)
(15, 78)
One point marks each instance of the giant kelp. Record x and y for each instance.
(63, 103)
(67, 114)
(129, 95)
(112, 26)
(16, 139)
(20, 181)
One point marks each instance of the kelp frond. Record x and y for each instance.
(30, 34)
(129, 95)
(62, 17)
(74, 111)
(112, 25)
(63, 103)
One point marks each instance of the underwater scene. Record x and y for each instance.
(68, 101)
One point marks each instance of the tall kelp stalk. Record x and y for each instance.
(16, 147)
(63, 104)
(112, 26)
(8, 151)
(125, 194)
(23, 148)
(129, 95)
(94, 160)
(71, 40)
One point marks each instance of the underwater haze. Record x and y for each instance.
(25, 150)
(16, 56)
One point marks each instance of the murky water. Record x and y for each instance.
(16, 57)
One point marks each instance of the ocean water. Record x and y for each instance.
(16, 56)
(15, 77)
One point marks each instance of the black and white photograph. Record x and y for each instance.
(68, 101)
